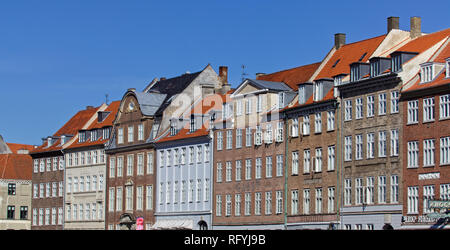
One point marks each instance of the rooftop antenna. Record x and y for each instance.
(106, 99)
(243, 72)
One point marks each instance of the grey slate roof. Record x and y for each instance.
(277, 86)
(150, 102)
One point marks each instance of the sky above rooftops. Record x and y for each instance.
(57, 57)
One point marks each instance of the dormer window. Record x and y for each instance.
(82, 136)
(192, 124)
(358, 70)
(173, 128)
(426, 72)
(106, 133)
(301, 94)
(355, 73)
(93, 135)
(338, 80)
(49, 141)
(281, 97)
(212, 118)
(318, 91)
(375, 68)
(396, 62)
(447, 67)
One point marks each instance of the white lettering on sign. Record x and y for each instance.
(429, 176)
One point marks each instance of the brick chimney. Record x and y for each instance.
(223, 77)
(416, 27)
(89, 107)
(393, 22)
(339, 40)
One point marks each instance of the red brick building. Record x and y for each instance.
(426, 132)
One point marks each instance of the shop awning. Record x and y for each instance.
(173, 224)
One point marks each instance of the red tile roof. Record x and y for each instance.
(113, 107)
(347, 54)
(16, 166)
(70, 128)
(14, 147)
(439, 79)
(424, 42)
(293, 76)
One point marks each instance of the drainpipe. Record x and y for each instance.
(341, 121)
(339, 150)
(285, 169)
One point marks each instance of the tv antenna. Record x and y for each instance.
(243, 72)
(106, 99)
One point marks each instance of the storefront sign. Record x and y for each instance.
(438, 204)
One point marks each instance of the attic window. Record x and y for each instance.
(318, 91)
(375, 68)
(337, 61)
(281, 96)
(355, 73)
(173, 129)
(82, 136)
(447, 67)
(192, 124)
(106, 133)
(396, 62)
(360, 59)
(301, 95)
(426, 73)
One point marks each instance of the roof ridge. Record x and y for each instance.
(364, 40)
(297, 67)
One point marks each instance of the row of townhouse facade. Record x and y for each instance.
(337, 144)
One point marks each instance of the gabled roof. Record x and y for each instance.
(76, 123)
(293, 76)
(440, 78)
(113, 108)
(171, 87)
(16, 166)
(341, 59)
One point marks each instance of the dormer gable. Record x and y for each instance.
(429, 70)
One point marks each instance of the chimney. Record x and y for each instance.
(89, 107)
(393, 23)
(132, 89)
(223, 74)
(259, 74)
(223, 77)
(416, 25)
(339, 40)
(162, 78)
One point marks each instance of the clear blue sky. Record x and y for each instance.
(57, 57)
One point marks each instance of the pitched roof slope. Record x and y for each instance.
(293, 76)
(16, 166)
(15, 147)
(77, 122)
(440, 78)
(340, 61)
(424, 42)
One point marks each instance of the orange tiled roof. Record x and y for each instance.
(424, 42)
(71, 128)
(14, 147)
(113, 107)
(439, 79)
(16, 166)
(293, 76)
(347, 54)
